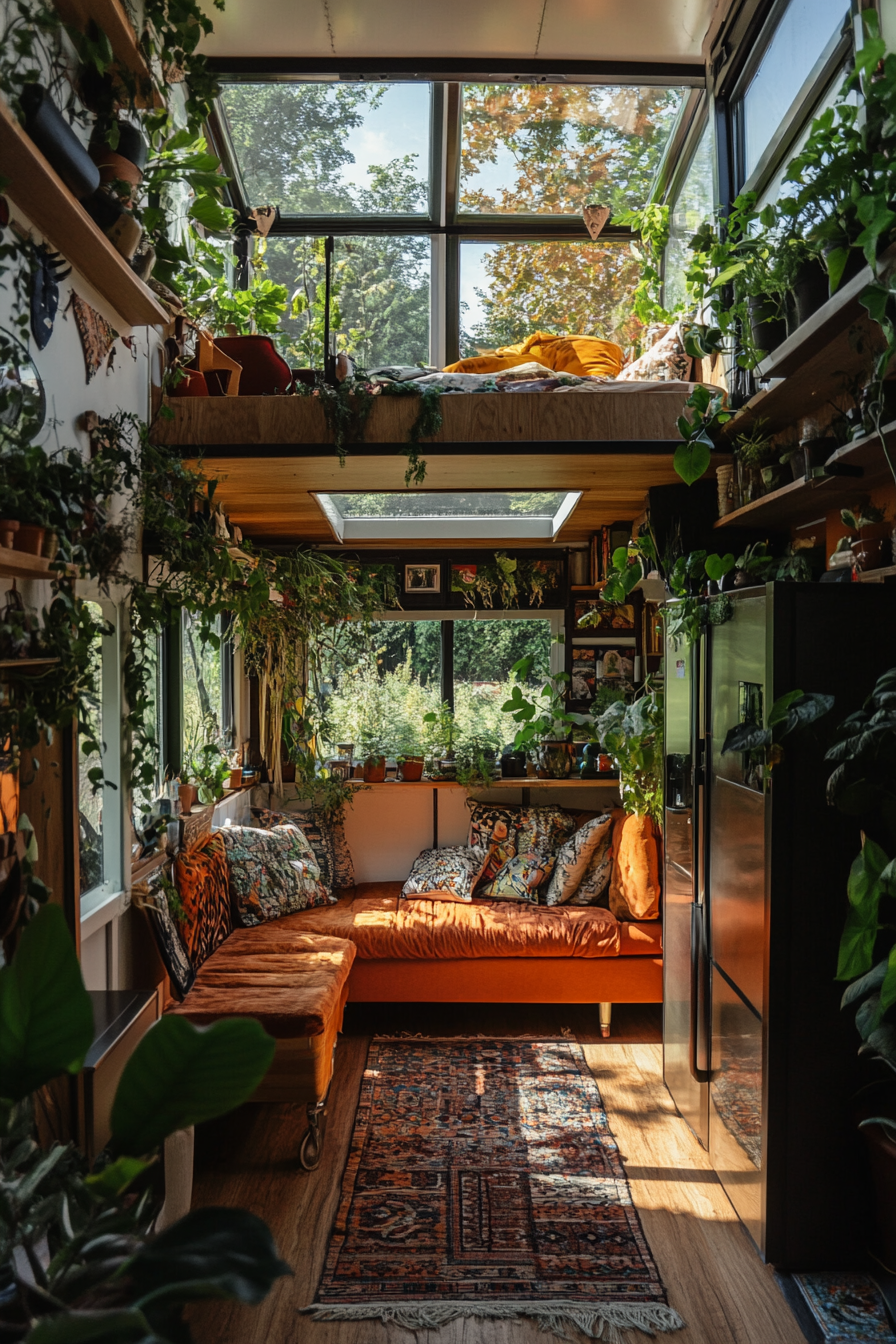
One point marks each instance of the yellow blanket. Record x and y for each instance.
(585, 356)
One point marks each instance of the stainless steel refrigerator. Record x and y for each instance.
(756, 1053)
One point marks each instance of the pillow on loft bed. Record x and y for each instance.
(666, 361)
(272, 873)
(585, 356)
(449, 874)
(519, 878)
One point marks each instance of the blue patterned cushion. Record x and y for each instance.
(452, 872)
(519, 878)
(583, 851)
(272, 873)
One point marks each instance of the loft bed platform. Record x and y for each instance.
(271, 454)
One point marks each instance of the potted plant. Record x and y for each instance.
(868, 521)
(863, 785)
(633, 736)
(373, 758)
(440, 736)
(409, 762)
(209, 767)
(545, 721)
(758, 460)
(476, 761)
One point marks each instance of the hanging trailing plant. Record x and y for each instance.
(508, 580)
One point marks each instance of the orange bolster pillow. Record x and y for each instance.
(635, 880)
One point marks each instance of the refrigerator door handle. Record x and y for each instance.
(699, 997)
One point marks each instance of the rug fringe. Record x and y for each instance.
(609, 1322)
(565, 1034)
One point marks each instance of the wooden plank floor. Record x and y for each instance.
(713, 1275)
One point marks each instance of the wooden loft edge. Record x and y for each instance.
(111, 18)
(55, 213)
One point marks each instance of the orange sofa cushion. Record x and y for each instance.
(293, 984)
(383, 927)
(635, 880)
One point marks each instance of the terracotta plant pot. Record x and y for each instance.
(236, 778)
(869, 552)
(411, 769)
(187, 793)
(374, 770)
(288, 772)
(8, 529)
(30, 538)
(51, 546)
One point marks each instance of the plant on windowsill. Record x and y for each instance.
(80, 1258)
(546, 721)
(476, 760)
(372, 751)
(440, 737)
(209, 768)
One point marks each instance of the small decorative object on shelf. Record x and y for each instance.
(868, 521)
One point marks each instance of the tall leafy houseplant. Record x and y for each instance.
(863, 785)
(79, 1261)
(543, 715)
(633, 736)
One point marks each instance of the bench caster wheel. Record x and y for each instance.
(312, 1145)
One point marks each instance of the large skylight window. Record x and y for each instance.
(425, 515)
(549, 149)
(332, 149)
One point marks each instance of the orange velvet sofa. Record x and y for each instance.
(434, 951)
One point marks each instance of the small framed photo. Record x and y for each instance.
(422, 578)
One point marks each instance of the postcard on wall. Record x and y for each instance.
(583, 674)
(618, 663)
(462, 577)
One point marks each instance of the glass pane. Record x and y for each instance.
(332, 149)
(432, 504)
(90, 800)
(145, 794)
(379, 302)
(801, 36)
(693, 205)
(380, 683)
(553, 148)
(778, 187)
(484, 653)
(510, 290)
(202, 687)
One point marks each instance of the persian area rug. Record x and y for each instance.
(483, 1180)
(847, 1308)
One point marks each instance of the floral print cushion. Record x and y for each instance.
(202, 914)
(494, 827)
(543, 828)
(452, 872)
(582, 852)
(343, 864)
(318, 838)
(272, 873)
(519, 878)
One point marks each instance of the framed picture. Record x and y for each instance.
(422, 578)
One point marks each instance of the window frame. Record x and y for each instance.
(446, 226)
(115, 814)
(836, 54)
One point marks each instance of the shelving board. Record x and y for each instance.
(23, 565)
(26, 664)
(110, 17)
(805, 501)
(528, 782)
(835, 344)
(876, 575)
(49, 205)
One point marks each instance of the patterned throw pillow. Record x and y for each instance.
(495, 828)
(343, 865)
(543, 829)
(452, 872)
(580, 855)
(519, 878)
(152, 897)
(204, 918)
(272, 873)
(319, 840)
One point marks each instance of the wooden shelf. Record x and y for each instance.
(528, 782)
(805, 501)
(876, 575)
(23, 565)
(26, 664)
(111, 18)
(835, 342)
(54, 212)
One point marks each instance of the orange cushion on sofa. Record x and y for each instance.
(635, 881)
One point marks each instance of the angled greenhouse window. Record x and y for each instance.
(511, 514)
(331, 149)
(550, 149)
